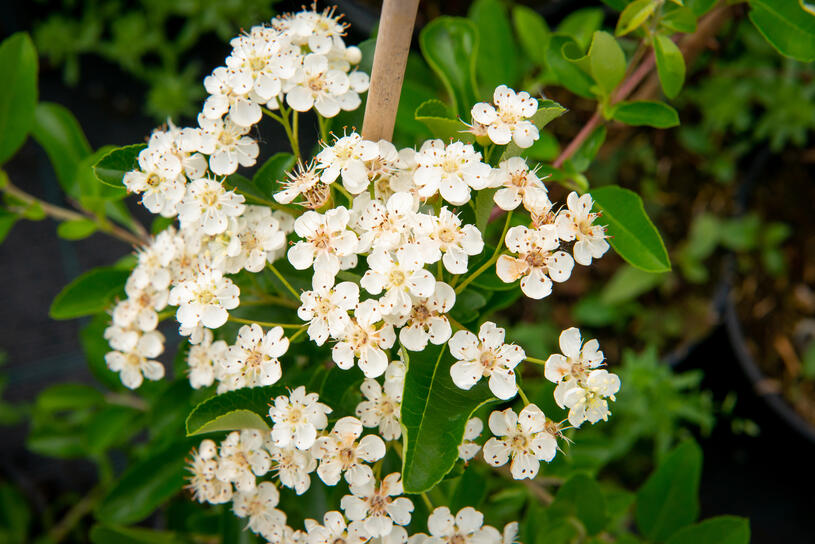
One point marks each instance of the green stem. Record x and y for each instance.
(342, 190)
(439, 271)
(283, 281)
(456, 325)
(323, 123)
(291, 134)
(427, 502)
(271, 301)
(536, 361)
(523, 396)
(483, 268)
(295, 336)
(265, 324)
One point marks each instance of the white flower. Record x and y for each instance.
(297, 418)
(203, 484)
(519, 185)
(204, 299)
(334, 530)
(253, 360)
(468, 448)
(365, 341)
(303, 180)
(400, 276)
(139, 309)
(326, 310)
(260, 238)
(376, 508)
(485, 355)
(321, 32)
(384, 226)
(427, 319)
(259, 506)
(136, 363)
(450, 170)
(326, 243)
(510, 535)
(319, 85)
(578, 359)
(209, 206)
(339, 452)
(155, 259)
(467, 527)
(346, 157)
(586, 400)
(228, 90)
(507, 121)
(526, 438)
(577, 223)
(159, 180)
(254, 54)
(293, 467)
(227, 145)
(443, 234)
(203, 359)
(382, 407)
(537, 263)
(242, 459)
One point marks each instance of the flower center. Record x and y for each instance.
(536, 259)
(397, 278)
(447, 235)
(487, 360)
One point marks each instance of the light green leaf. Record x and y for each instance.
(18, 94)
(450, 47)
(435, 117)
(582, 498)
(112, 534)
(533, 33)
(568, 73)
(580, 25)
(670, 65)
(90, 293)
(679, 19)
(58, 132)
(246, 408)
(607, 61)
(68, 396)
(498, 63)
(718, 530)
(669, 498)
(635, 14)
(273, 172)
(484, 205)
(631, 232)
(786, 26)
(76, 229)
(113, 166)
(646, 112)
(628, 283)
(434, 413)
(7, 221)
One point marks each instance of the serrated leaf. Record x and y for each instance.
(634, 14)
(607, 61)
(434, 413)
(76, 229)
(786, 26)
(631, 232)
(246, 408)
(498, 63)
(450, 47)
(434, 115)
(18, 94)
(273, 172)
(646, 112)
(113, 166)
(90, 293)
(718, 530)
(58, 132)
(670, 65)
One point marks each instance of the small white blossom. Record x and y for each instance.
(293, 467)
(259, 506)
(444, 235)
(346, 158)
(208, 206)
(527, 438)
(485, 355)
(427, 321)
(253, 360)
(384, 226)
(159, 179)
(508, 119)
(382, 406)
(450, 170)
(203, 484)
(365, 340)
(326, 310)
(316, 84)
(137, 361)
(537, 264)
(517, 185)
(339, 452)
(227, 145)
(297, 418)
(326, 243)
(401, 275)
(377, 509)
(204, 299)
(229, 92)
(468, 447)
(204, 360)
(467, 527)
(577, 223)
(334, 530)
(243, 458)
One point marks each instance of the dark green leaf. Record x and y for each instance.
(273, 172)
(470, 490)
(7, 221)
(646, 112)
(434, 413)
(786, 26)
(497, 63)
(568, 73)
(628, 283)
(450, 47)
(76, 229)
(109, 427)
(111, 534)
(718, 530)
(90, 293)
(18, 95)
(580, 25)
(437, 119)
(91, 337)
(582, 497)
(246, 408)
(669, 498)
(113, 166)
(634, 15)
(670, 65)
(631, 232)
(607, 61)
(58, 132)
(468, 304)
(68, 396)
(15, 516)
(533, 33)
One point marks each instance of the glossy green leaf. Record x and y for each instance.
(76, 229)
(582, 498)
(568, 74)
(273, 172)
(146, 485)
(112, 534)
(434, 115)
(580, 25)
(669, 498)
(113, 166)
(678, 19)
(646, 112)
(434, 413)
(533, 33)
(90, 293)
(498, 63)
(718, 530)
(786, 26)
(631, 232)
(548, 110)
(635, 14)
(18, 94)
(58, 132)
(670, 65)
(607, 61)
(246, 408)
(627, 284)
(450, 47)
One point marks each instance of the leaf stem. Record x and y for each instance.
(299, 333)
(483, 268)
(271, 300)
(283, 281)
(523, 395)
(323, 123)
(427, 502)
(265, 324)
(283, 119)
(536, 361)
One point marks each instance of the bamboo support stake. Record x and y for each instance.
(388, 73)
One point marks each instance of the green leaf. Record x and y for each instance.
(15, 516)
(634, 15)
(568, 73)
(646, 112)
(450, 47)
(582, 497)
(109, 427)
(145, 485)
(111, 534)
(273, 172)
(669, 498)
(7, 221)
(718, 530)
(113, 166)
(580, 25)
(468, 304)
(434, 115)
(632, 234)
(58, 132)
(607, 61)
(246, 408)
(678, 19)
(533, 33)
(434, 413)
(548, 110)
(670, 65)
(627, 284)
(68, 396)
(484, 205)
(498, 63)
(18, 95)
(90, 293)
(786, 26)
(76, 229)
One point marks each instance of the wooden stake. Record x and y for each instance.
(390, 58)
